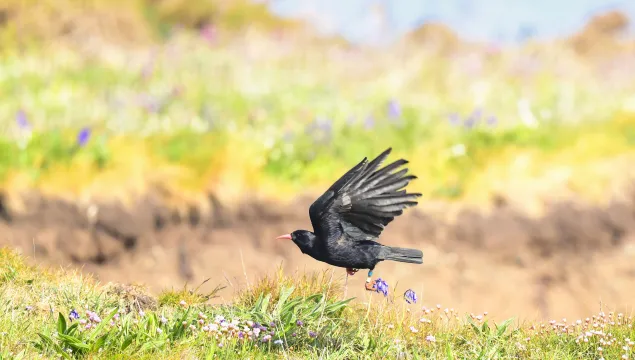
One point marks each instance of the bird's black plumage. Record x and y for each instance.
(351, 215)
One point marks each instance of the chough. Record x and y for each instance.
(350, 216)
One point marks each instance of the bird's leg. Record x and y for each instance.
(370, 284)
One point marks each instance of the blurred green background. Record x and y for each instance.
(120, 98)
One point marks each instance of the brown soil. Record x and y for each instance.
(561, 265)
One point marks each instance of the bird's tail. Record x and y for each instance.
(413, 256)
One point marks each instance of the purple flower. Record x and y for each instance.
(92, 316)
(73, 315)
(208, 32)
(471, 121)
(21, 120)
(492, 120)
(369, 123)
(83, 136)
(151, 104)
(454, 119)
(312, 334)
(410, 296)
(272, 324)
(299, 323)
(241, 335)
(394, 109)
(381, 286)
(266, 338)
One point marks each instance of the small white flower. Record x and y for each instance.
(457, 150)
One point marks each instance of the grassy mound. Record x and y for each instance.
(53, 314)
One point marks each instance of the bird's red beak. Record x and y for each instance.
(284, 237)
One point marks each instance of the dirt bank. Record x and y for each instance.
(503, 262)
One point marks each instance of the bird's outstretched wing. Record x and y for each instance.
(364, 200)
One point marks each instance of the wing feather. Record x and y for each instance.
(364, 200)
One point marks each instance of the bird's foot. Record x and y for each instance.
(370, 285)
(351, 272)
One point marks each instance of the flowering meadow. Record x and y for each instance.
(64, 315)
(278, 115)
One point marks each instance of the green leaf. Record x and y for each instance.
(485, 328)
(284, 295)
(500, 329)
(337, 306)
(265, 304)
(72, 329)
(99, 343)
(448, 351)
(102, 324)
(47, 340)
(153, 345)
(73, 342)
(61, 324)
(127, 341)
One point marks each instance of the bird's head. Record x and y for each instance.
(302, 238)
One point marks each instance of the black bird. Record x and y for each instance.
(351, 215)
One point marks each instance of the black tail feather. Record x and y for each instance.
(413, 256)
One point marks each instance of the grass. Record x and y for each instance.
(261, 115)
(62, 314)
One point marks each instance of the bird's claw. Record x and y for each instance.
(370, 285)
(351, 272)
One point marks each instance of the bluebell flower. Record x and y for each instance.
(410, 296)
(83, 136)
(381, 286)
(21, 120)
(73, 315)
(471, 121)
(394, 109)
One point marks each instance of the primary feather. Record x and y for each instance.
(364, 200)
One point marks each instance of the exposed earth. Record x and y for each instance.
(564, 264)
